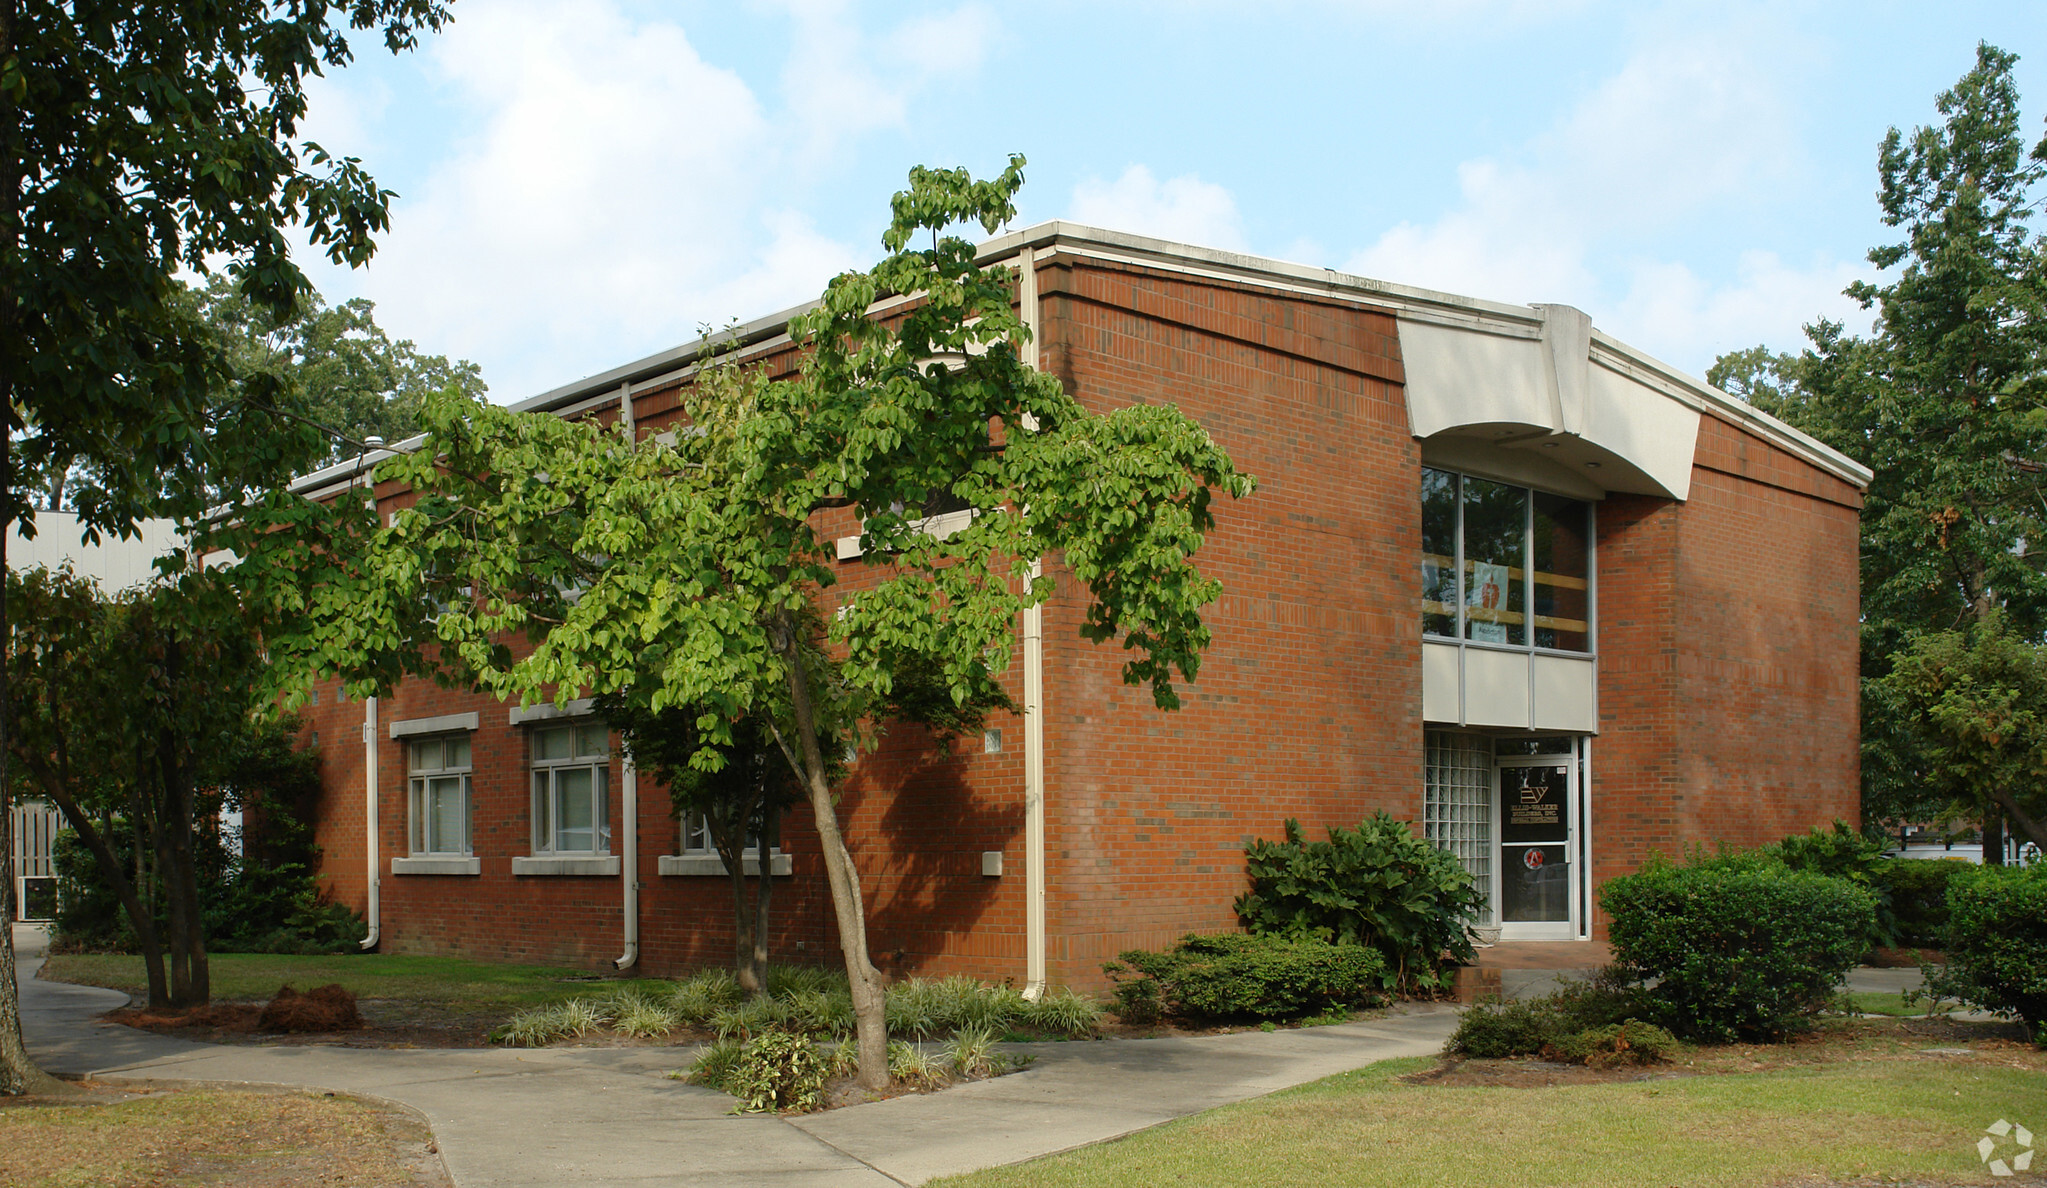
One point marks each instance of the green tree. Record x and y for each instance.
(682, 571)
(1977, 703)
(1943, 401)
(137, 140)
(333, 365)
(136, 709)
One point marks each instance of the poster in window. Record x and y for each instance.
(1486, 599)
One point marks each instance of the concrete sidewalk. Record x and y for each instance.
(609, 1116)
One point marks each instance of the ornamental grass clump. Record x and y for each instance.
(703, 994)
(1378, 886)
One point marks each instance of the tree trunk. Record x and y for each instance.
(870, 1003)
(753, 980)
(2035, 831)
(124, 890)
(764, 887)
(1993, 835)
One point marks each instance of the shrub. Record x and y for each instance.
(1918, 892)
(1529, 1026)
(1630, 1041)
(1377, 885)
(1232, 975)
(776, 1070)
(1996, 943)
(1735, 950)
(1844, 853)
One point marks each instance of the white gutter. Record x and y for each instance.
(629, 777)
(1034, 702)
(369, 783)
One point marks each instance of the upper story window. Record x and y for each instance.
(1505, 565)
(571, 773)
(439, 799)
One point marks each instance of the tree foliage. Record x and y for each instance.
(136, 141)
(1976, 701)
(1944, 401)
(678, 571)
(134, 713)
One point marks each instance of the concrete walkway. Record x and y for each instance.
(609, 1116)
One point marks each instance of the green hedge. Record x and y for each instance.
(1996, 942)
(1918, 893)
(1526, 1027)
(1735, 948)
(1234, 976)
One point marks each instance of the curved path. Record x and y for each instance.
(610, 1117)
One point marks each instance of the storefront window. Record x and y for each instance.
(1505, 565)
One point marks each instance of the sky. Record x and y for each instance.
(584, 182)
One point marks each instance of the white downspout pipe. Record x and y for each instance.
(629, 781)
(1034, 700)
(629, 805)
(369, 783)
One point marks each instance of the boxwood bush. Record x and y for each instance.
(1227, 976)
(1918, 892)
(1735, 947)
(1377, 885)
(1996, 942)
(1526, 1027)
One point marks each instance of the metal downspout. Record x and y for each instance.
(1034, 700)
(369, 767)
(629, 782)
(629, 796)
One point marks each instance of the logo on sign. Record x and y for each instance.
(1532, 859)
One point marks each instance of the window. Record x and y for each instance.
(1505, 565)
(696, 837)
(571, 771)
(440, 795)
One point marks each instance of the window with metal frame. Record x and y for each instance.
(440, 797)
(1505, 565)
(571, 768)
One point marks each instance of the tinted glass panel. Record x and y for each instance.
(554, 744)
(1439, 553)
(590, 740)
(1495, 536)
(1562, 573)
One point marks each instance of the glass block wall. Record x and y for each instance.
(1457, 800)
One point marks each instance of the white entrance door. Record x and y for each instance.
(1536, 813)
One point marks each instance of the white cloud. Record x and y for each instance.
(1185, 209)
(617, 190)
(1687, 131)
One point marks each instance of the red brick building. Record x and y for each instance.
(1506, 577)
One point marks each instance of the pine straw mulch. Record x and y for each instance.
(1833, 1039)
(137, 1134)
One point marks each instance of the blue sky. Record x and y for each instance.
(582, 182)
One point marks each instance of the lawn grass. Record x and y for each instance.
(1883, 1002)
(216, 1137)
(450, 983)
(1851, 1120)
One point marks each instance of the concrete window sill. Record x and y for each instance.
(441, 865)
(595, 864)
(712, 865)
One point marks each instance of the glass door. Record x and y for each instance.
(1537, 884)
